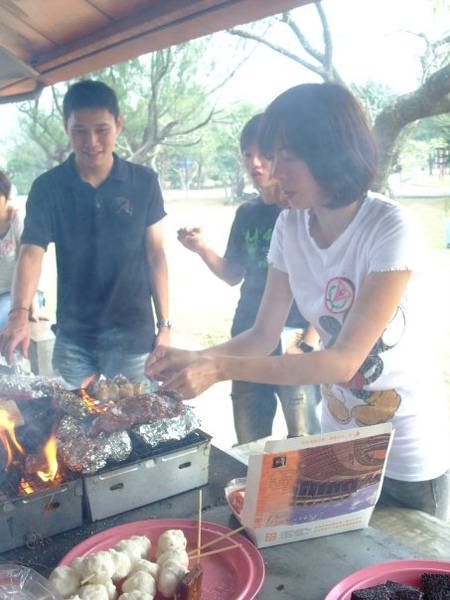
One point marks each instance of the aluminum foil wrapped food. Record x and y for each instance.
(165, 430)
(88, 443)
(26, 387)
(84, 454)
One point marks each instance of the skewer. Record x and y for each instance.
(199, 532)
(219, 550)
(217, 539)
(86, 579)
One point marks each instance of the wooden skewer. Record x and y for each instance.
(219, 550)
(199, 532)
(217, 539)
(86, 579)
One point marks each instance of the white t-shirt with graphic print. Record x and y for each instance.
(394, 384)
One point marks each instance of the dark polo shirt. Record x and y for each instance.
(103, 290)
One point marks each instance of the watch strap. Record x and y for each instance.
(304, 347)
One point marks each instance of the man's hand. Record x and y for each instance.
(191, 238)
(15, 334)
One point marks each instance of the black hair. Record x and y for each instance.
(325, 126)
(90, 94)
(249, 133)
(5, 185)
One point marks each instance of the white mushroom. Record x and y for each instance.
(140, 581)
(136, 595)
(93, 591)
(65, 580)
(172, 538)
(122, 564)
(170, 577)
(130, 547)
(76, 563)
(111, 590)
(146, 565)
(177, 554)
(143, 542)
(97, 567)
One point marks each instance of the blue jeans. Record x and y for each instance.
(76, 363)
(255, 405)
(432, 497)
(5, 306)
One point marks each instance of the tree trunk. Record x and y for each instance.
(432, 98)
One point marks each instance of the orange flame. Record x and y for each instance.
(87, 381)
(8, 436)
(91, 403)
(50, 451)
(25, 486)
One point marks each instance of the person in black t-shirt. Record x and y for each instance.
(245, 263)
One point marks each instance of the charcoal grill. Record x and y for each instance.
(29, 518)
(158, 466)
(148, 475)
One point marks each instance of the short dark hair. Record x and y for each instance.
(249, 133)
(325, 126)
(5, 185)
(90, 94)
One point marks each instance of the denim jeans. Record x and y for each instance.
(432, 496)
(75, 363)
(5, 306)
(255, 405)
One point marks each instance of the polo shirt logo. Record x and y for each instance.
(124, 205)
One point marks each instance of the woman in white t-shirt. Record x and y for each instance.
(354, 261)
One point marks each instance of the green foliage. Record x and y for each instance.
(165, 106)
(373, 96)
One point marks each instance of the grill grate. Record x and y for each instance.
(30, 483)
(18, 486)
(141, 451)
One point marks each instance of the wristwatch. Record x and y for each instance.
(164, 324)
(304, 347)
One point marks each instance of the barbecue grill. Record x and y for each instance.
(32, 509)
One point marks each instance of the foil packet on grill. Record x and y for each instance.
(166, 430)
(84, 454)
(27, 387)
(89, 443)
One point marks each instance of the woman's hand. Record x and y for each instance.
(183, 371)
(165, 361)
(194, 379)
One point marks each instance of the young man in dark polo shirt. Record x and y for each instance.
(105, 217)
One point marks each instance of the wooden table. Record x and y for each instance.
(307, 569)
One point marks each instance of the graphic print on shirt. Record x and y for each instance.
(7, 249)
(378, 406)
(124, 205)
(256, 242)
